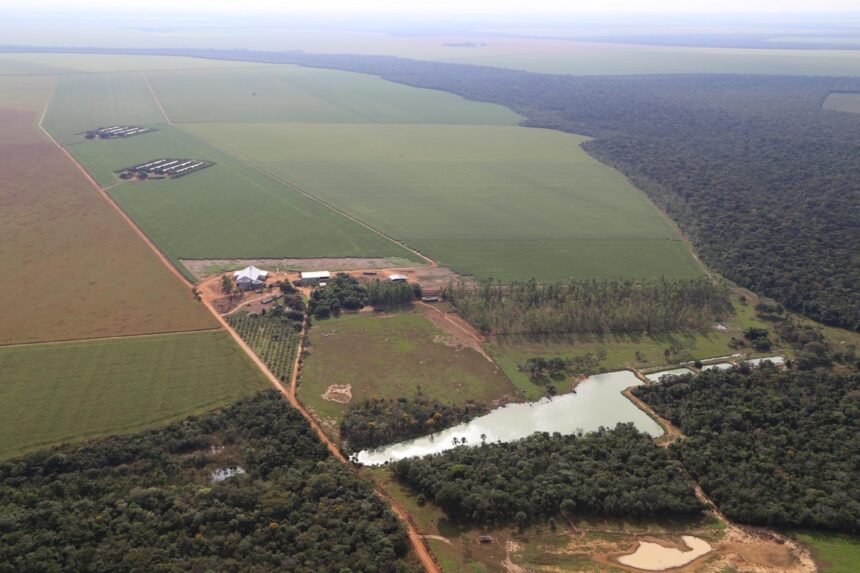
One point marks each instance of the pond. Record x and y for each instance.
(654, 557)
(597, 402)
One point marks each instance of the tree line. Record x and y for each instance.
(375, 422)
(771, 448)
(617, 472)
(592, 306)
(147, 502)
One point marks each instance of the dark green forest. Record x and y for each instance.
(146, 502)
(771, 448)
(377, 422)
(618, 472)
(764, 182)
(602, 306)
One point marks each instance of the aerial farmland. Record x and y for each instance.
(290, 309)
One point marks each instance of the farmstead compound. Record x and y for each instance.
(117, 131)
(163, 169)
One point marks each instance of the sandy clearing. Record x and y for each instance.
(655, 557)
(340, 393)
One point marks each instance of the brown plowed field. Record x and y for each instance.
(72, 268)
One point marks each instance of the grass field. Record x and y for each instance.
(389, 357)
(834, 553)
(306, 95)
(117, 63)
(493, 201)
(848, 102)
(72, 267)
(53, 393)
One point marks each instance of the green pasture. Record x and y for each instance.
(493, 201)
(833, 552)
(294, 94)
(67, 392)
(393, 356)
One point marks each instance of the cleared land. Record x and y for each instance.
(295, 94)
(72, 267)
(53, 393)
(393, 356)
(494, 201)
(849, 102)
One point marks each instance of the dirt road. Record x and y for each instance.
(418, 545)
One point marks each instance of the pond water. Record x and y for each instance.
(656, 376)
(597, 402)
(654, 557)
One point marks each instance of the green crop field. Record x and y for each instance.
(494, 201)
(88, 101)
(456, 180)
(94, 63)
(295, 94)
(392, 356)
(53, 393)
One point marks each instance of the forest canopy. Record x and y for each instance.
(618, 472)
(149, 502)
(770, 448)
(594, 306)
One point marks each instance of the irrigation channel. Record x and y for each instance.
(598, 401)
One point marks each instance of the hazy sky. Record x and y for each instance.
(435, 6)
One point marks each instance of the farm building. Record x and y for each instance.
(250, 278)
(397, 278)
(313, 277)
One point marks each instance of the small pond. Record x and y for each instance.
(597, 402)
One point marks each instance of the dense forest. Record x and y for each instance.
(619, 472)
(602, 306)
(764, 182)
(150, 502)
(376, 422)
(771, 448)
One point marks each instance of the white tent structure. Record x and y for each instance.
(250, 278)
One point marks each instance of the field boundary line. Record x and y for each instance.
(113, 203)
(115, 337)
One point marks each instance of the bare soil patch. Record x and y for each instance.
(340, 393)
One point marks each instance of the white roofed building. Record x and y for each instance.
(250, 278)
(315, 276)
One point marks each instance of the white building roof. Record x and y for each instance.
(397, 277)
(251, 273)
(316, 275)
